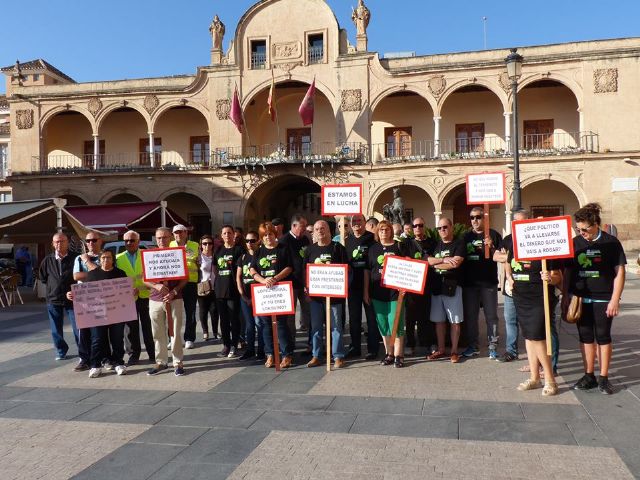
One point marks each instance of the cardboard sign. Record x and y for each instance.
(277, 300)
(160, 264)
(545, 238)
(405, 274)
(342, 199)
(485, 188)
(327, 280)
(104, 302)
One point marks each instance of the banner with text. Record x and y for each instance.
(406, 274)
(342, 199)
(485, 188)
(104, 302)
(327, 280)
(160, 264)
(277, 300)
(544, 238)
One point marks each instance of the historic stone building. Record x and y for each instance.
(420, 122)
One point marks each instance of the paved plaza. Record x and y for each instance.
(231, 419)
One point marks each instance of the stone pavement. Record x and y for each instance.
(229, 419)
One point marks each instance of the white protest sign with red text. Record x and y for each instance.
(404, 274)
(544, 238)
(327, 280)
(104, 302)
(277, 300)
(485, 188)
(342, 199)
(160, 264)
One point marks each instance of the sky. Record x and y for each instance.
(117, 39)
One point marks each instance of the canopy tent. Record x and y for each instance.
(29, 221)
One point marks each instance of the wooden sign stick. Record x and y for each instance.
(547, 317)
(328, 322)
(342, 229)
(487, 249)
(276, 342)
(396, 320)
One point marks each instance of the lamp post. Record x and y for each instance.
(514, 70)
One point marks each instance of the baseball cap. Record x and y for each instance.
(180, 228)
(276, 222)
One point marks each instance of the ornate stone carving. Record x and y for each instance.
(151, 102)
(605, 80)
(24, 119)
(351, 100)
(438, 182)
(287, 50)
(217, 29)
(94, 106)
(223, 107)
(436, 85)
(505, 82)
(287, 67)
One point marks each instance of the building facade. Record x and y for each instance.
(418, 122)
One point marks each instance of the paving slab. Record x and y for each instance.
(212, 417)
(538, 412)
(13, 350)
(306, 403)
(46, 411)
(221, 446)
(516, 431)
(171, 435)
(145, 415)
(406, 426)
(127, 397)
(10, 392)
(472, 409)
(401, 406)
(204, 400)
(588, 434)
(304, 421)
(194, 471)
(67, 395)
(243, 383)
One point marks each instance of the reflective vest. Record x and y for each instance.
(123, 263)
(193, 250)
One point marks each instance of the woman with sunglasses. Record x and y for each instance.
(271, 264)
(226, 291)
(384, 300)
(596, 274)
(244, 280)
(207, 303)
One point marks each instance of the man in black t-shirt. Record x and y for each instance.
(480, 284)
(325, 251)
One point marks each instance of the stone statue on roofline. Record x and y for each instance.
(217, 32)
(361, 16)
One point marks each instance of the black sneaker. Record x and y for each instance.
(353, 353)
(133, 360)
(260, 355)
(179, 371)
(605, 386)
(247, 355)
(587, 382)
(81, 367)
(225, 351)
(371, 356)
(157, 369)
(507, 357)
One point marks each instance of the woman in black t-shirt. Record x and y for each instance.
(244, 280)
(227, 297)
(596, 274)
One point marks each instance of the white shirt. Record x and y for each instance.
(207, 270)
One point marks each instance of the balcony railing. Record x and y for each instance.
(315, 55)
(4, 164)
(258, 61)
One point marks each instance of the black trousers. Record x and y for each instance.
(229, 310)
(190, 299)
(208, 309)
(144, 321)
(84, 345)
(418, 308)
(101, 337)
(356, 305)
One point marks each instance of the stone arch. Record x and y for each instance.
(402, 88)
(70, 194)
(569, 182)
(192, 208)
(119, 191)
(419, 183)
(490, 85)
(179, 103)
(64, 108)
(448, 189)
(572, 85)
(104, 114)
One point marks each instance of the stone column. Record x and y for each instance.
(151, 151)
(507, 132)
(582, 138)
(436, 136)
(361, 43)
(507, 218)
(437, 215)
(96, 151)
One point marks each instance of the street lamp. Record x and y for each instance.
(514, 70)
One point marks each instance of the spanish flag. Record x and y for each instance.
(271, 101)
(306, 107)
(236, 112)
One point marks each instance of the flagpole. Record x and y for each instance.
(275, 109)
(244, 120)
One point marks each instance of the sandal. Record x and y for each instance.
(529, 384)
(438, 354)
(550, 389)
(398, 362)
(387, 360)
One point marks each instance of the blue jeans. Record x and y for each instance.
(284, 336)
(318, 314)
(107, 343)
(56, 317)
(511, 325)
(251, 323)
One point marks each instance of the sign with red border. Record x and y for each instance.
(342, 199)
(400, 273)
(277, 300)
(328, 280)
(486, 188)
(161, 264)
(542, 238)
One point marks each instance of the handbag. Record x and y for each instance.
(204, 287)
(574, 311)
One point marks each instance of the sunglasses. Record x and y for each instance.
(130, 241)
(204, 244)
(444, 227)
(418, 225)
(251, 240)
(91, 240)
(475, 217)
(585, 230)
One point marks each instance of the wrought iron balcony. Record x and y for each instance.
(315, 55)
(258, 61)
(4, 164)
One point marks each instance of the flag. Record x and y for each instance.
(271, 101)
(306, 107)
(235, 115)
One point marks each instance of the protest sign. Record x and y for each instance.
(104, 302)
(342, 199)
(160, 264)
(546, 238)
(327, 280)
(485, 188)
(404, 274)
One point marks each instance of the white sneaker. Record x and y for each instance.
(188, 345)
(95, 372)
(121, 370)
(232, 352)
(169, 344)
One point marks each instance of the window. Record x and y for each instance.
(145, 153)
(547, 211)
(397, 141)
(258, 54)
(298, 142)
(199, 148)
(538, 134)
(87, 157)
(36, 77)
(315, 48)
(469, 137)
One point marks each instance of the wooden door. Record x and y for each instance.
(298, 142)
(538, 134)
(469, 137)
(397, 141)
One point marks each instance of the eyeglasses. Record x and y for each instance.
(444, 227)
(418, 225)
(251, 240)
(475, 217)
(130, 241)
(585, 230)
(91, 240)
